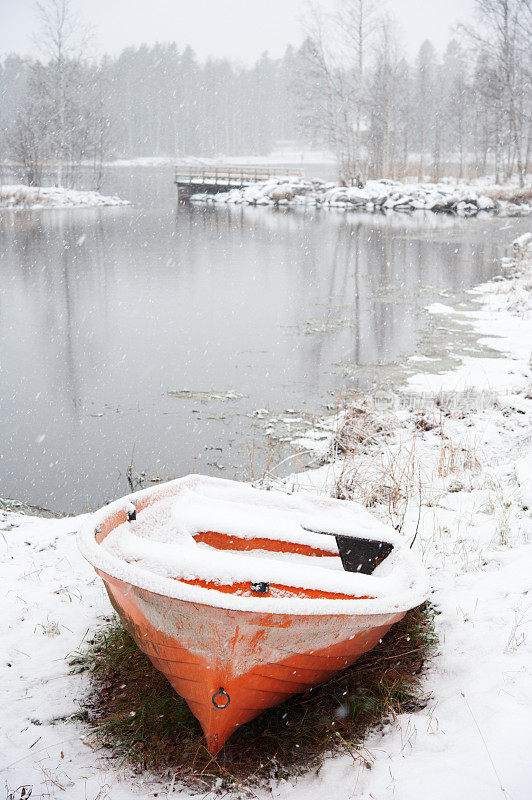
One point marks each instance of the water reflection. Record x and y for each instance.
(103, 311)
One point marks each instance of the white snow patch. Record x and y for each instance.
(288, 157)
(440, 308)
(504, 322)
(39, 197)
(523, 468)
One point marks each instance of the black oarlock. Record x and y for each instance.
(261, 587)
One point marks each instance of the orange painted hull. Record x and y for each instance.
(246, 661)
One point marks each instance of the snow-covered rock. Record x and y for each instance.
(485, 203)
(522, 243)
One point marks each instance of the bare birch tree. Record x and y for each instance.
(26, 141)
(336, 50)
(425, 68)
(385, 107)
(357, 22)
(62, 40)
(505, 37)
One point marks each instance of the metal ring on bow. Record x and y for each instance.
(222, 693)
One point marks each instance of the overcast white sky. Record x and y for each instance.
(240, 29)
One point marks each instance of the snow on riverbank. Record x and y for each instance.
(381, 195)
(453, 468)
(38, 197)
(503, 310)
(290, 158)
(456, 472)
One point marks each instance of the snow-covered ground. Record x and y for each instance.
(378, 195)
(289, 157)
(466, 466)
(467, 463)
(19, 196)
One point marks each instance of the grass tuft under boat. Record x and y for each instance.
(134, 712)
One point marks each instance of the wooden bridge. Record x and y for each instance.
(192, 180)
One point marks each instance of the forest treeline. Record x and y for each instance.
(348, 88)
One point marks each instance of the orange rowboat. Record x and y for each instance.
(242, 597)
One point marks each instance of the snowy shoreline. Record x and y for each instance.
(276, 157)
(18, 196)
(453, 467)
(379, 195)
(455, 472)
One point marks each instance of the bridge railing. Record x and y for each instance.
(230, 175)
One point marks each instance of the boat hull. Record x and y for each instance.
(231, 665)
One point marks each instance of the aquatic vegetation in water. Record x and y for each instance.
(204, 397)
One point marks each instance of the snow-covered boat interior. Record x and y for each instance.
(235, 539)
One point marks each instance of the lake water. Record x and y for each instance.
(107, 316)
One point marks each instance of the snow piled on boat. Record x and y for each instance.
(39, 197)
(377, 195)
(157, 549)
(215, 504)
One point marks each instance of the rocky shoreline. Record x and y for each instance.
(380, 195)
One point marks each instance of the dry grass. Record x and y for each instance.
(379, 461)
(456, 457)
(511, 194)
(384, 460)
(369, 465)
(134, 712)
(19, 196)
